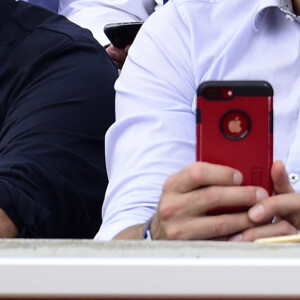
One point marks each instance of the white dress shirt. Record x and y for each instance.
(95, 14)
(181, 45)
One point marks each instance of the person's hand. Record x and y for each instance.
(283, 208)
(117, 55)
(189, 195)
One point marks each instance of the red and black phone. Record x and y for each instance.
(235, 128)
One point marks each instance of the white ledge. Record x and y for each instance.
(86, 269)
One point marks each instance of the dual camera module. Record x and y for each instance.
(218, 93)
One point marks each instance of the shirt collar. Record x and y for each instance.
(6, 9)
(284, 5)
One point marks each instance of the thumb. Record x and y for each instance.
(280, 178)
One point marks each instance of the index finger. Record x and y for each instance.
(201, 174)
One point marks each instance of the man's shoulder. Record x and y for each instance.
(43, 39)
(211, 3)
(32, 19)
(213, 11)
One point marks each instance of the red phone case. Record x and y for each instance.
(235, 128)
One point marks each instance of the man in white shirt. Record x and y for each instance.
(183, 44)
(95, 14)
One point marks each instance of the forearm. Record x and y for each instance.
(52, 148)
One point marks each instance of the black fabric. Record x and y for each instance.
(50, 4)
(56, 103)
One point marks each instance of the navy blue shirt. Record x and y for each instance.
(56, 103)
(50, 4)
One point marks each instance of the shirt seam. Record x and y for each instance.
(41, 28)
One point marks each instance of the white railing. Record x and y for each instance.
(86, 269)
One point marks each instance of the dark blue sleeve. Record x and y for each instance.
(56, 105)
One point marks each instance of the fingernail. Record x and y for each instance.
(236, 238)
(261, 194)
(237, 178)
(256, 212)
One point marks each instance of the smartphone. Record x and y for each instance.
(235, 128)
(122, 34)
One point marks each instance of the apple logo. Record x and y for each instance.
(234, 126)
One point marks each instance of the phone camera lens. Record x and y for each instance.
(218, 93)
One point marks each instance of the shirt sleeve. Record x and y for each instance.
(58, 108)
(154, 133)
(95, 14)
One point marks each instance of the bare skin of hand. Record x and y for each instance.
(7, 227)
(296, 6)
(285, 205)
(117, 55)
(188, 195)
